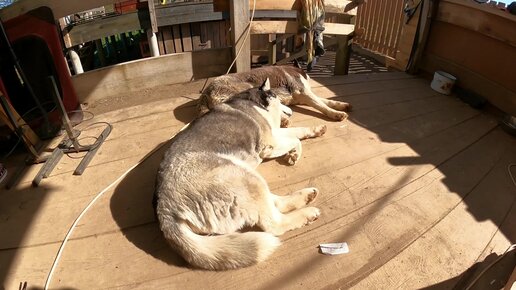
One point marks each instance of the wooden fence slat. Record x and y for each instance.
(177, 38)
(160, 43)
(205, 37)
(186, 37)
(168, 39)
(196, 36)
(382, 21)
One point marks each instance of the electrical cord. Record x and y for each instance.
(76, 221)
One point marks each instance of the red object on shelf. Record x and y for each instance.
(126, 6)
(40, 23)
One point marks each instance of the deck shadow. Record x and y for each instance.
(132, 209)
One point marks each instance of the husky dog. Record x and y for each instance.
(289, 83)
(208, 189)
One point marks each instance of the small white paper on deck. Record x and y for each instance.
(334, 248)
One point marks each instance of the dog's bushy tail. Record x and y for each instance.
(220, 252)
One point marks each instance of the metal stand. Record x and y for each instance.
(70, 144)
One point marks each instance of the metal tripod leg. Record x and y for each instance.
(91, 153)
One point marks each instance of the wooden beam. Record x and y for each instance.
(152, 16)
(335, 6)
(167, 15)
(239, 14)
(343, 55)
(60, 8)
(487, 21)
(193, 12)
(133, 76)
(285, 26)
(102, 28)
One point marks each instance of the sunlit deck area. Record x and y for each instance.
(415, 182)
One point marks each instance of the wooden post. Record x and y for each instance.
(100, 52)
(153, 42)
(272, 49)
(239, 14)
(342, 57)
(76, 62)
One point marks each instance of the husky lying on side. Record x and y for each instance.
(289, 83)
(207, 186)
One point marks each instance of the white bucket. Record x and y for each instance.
(443, 82)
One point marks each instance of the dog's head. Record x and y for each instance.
(269, 101)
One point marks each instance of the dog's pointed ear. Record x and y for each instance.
(266, 86)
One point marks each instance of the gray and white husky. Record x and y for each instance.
(208, 188)
(290, 83)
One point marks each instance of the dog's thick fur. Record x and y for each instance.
(289, 83)
(208, 189)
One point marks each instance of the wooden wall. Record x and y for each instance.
(133, 76)
(193, 36)
(477, 44)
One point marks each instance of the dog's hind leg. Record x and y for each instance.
(287, 146)
(337, 105)
(295, 200)
(301, 132)
(310, 99)
(272, 220)
(269, 217)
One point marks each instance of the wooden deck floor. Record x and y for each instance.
(415, 182)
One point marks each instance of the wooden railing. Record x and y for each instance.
(382, 21)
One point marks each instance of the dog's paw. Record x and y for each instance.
(339, 116)
(342, 106)
(319, 130)
(311, 214)
(292, 157)
(266, 151)
(312, 193)
(285, 122)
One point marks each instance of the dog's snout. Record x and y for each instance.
(286, 110)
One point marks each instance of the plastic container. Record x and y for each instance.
(443, 82)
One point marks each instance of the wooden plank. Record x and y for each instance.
(343, 54)
(176, 33)
(168, 39)
(196, 36)
(205, 36)
(161, 44)
(186, 37)
(285, 26)
(215, 33)
(146, 73)
(406, 40)
(239, 15)
(334, 6)
(475, 18)
(60, 8)
(223, 36)
(187, 13)
(152, 16)
(102, 28)
(500, 66)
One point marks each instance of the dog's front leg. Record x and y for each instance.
(302, 132)
(284, 145)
